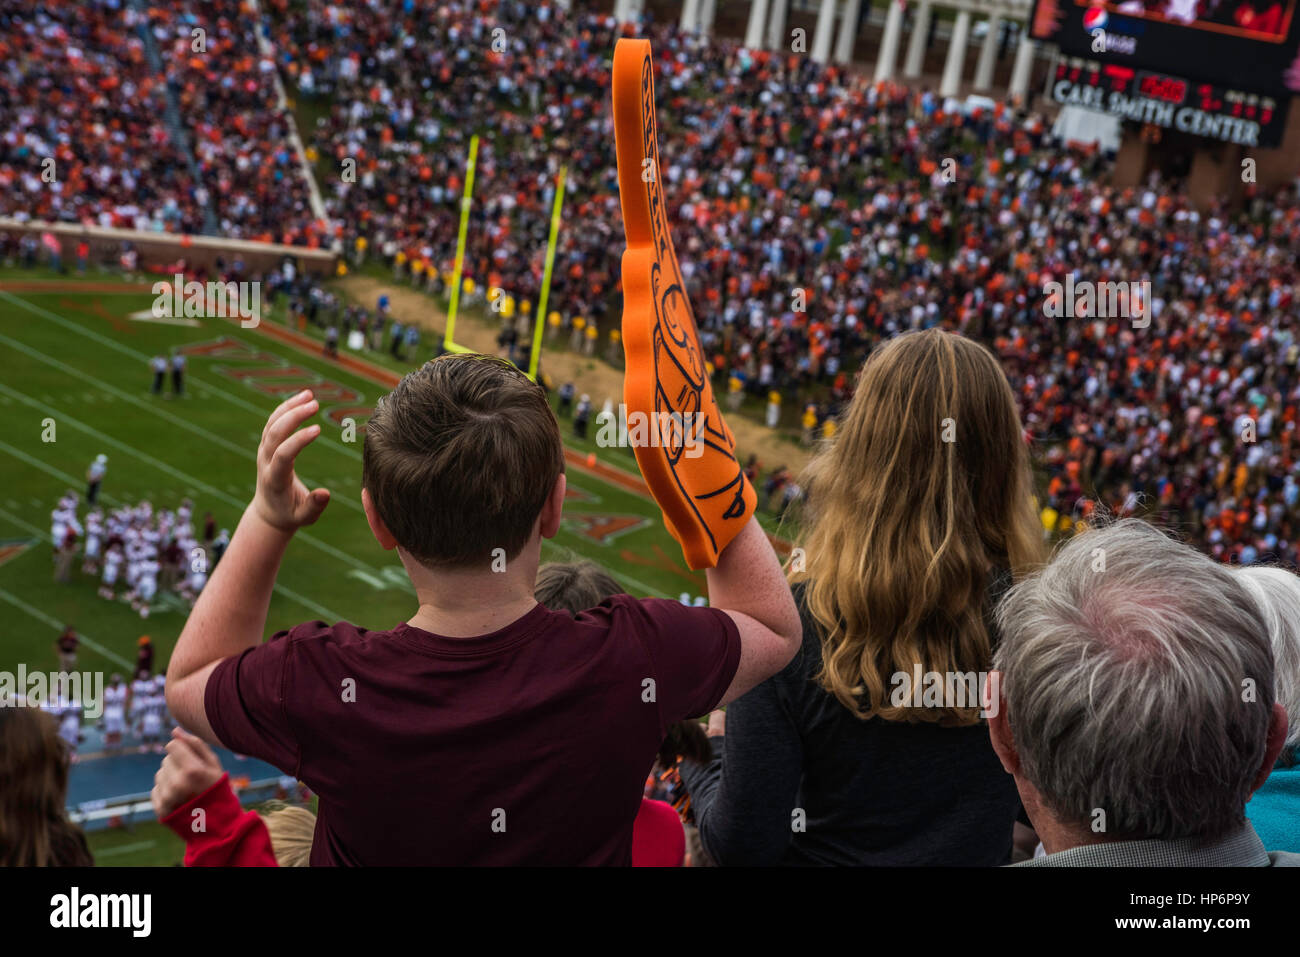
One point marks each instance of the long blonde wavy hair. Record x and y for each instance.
(923, 496)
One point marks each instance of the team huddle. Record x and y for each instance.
(139, 709)
(136, 549)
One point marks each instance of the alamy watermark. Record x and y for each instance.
(124, 911)
(1085, 299)
(41, 689)
(946, 689)
(670, 430)
(176, 299)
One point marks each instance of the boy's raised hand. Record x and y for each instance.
(282, 500)
(189, 768)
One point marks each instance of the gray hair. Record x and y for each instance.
(1277, 591)
(1138, 681)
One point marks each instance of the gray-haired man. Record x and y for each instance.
(1137, 705)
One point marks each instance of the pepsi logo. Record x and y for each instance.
(1094, 18)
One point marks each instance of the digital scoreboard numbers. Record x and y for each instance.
(1166, 88)
(1250, 45)
(1144, 96)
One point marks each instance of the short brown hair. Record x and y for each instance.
(460, 458)
(573, 586)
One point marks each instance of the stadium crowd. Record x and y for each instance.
(236, 124)
(785, 176)
(82, 92)
(83, 136)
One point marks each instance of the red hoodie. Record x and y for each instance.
(231, 836)
(658, 839)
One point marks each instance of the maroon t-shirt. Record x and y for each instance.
(530, 745)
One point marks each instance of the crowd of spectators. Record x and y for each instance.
(969, 702)
(817, 213)
(88, 88)
(83, 136)
(237, 126)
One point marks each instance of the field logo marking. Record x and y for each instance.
(146, 315)
(12, 548)
(604, 529)
(274, 376)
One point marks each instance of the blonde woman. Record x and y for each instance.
(869, 748)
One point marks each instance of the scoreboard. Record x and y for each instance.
(1145, 96)
(1248, 46)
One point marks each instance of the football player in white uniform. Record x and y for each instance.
(151, 724)
(141, 689)
(146, 586)
(70, 726)
(114, 712)
(113, 559)
(94, 540)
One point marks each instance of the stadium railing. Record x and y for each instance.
(164, 248)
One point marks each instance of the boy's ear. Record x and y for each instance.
(549, 520)
(377, 527)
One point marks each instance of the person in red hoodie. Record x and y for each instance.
(193, 797)
(658, 838)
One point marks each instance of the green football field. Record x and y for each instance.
(76, 383)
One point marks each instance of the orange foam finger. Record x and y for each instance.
(687, 454)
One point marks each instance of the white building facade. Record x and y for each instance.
(836, 33)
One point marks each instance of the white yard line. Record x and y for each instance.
(241, 450)
(121, 848)
(111, 343)
(58, 626)
(40, 615)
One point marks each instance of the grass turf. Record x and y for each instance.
(76, 359)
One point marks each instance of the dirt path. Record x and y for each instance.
(591, 375)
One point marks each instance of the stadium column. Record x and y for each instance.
(916, 43)
(1023, 67)
(821, 49)
(706, 17)
(690, 15)
(757, 21)
(952, 66)
(848, 35)
(888, 58)
(988, 54)
(625, 10)
(776, 35)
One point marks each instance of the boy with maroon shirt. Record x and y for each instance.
(486, 729)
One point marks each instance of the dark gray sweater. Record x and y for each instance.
(876, 793)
